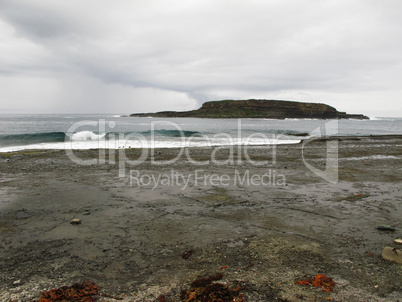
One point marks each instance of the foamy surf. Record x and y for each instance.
(85, 143)
(86, 136)
(94, 132)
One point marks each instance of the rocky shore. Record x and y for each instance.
(259, 217)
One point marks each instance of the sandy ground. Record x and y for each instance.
(267, 221)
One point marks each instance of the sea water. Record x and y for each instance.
(19, 132)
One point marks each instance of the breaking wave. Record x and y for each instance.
(86, 136)
(163, 138)
(172, 133)
(31, 138)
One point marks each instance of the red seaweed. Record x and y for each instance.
(326, 283)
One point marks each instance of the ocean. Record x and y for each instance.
(21, 132)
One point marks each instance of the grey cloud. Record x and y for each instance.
(211, 48)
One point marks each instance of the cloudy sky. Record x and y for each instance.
(128, 56)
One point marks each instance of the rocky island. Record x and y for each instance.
(253, 108)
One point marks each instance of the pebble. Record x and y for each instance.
(398, 241)
(75, 221)
(392, 254)
(17, 282)
(386, 228)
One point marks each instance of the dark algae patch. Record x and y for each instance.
(206, 290)
(83, 292)
(86, 291)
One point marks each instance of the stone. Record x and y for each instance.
(75, 221)
(386, 228)
(398, 241)
(392, 254)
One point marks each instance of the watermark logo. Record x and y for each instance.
(118, 144)
(201, 178)
(330, 173)
(113, 149)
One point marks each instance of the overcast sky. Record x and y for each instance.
(128, 56)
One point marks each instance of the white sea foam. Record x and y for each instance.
(86, 136)
(303, 119)
(361, 158)
(49, 146)
(372, 157)
(85, 144)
